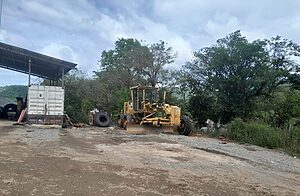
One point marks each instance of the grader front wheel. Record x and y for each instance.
(185, 127)
(122, 121)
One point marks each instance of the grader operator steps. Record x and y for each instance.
(145, 113)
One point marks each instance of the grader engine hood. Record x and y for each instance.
(174, 113)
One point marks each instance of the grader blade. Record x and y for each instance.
(148, 129)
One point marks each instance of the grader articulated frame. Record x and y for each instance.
(145, 113)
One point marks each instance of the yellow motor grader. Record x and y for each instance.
(144, 113)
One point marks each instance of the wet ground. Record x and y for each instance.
(37, 160)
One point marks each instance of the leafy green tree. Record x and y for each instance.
(236, 71)
(161, 55)
(131, 63)
(286, 111)
(284, 68)
(125, 63)
(202, 107)
(75, 94)
(294, 80)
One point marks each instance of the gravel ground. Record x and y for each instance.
(251, 153)
(43, 160)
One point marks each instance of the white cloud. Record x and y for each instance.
(217, 28)
(153, 32)
(60, 51)
(79, 30)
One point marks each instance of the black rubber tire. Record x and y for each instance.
(1, 112)
(9, 108)
(102, 119)
(186, 126)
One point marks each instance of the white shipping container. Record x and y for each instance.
(45, 100)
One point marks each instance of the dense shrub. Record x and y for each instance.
(288, 110)
(293, 141)
(256, 133)
(202, 107)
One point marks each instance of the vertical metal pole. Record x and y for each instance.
(137, 100)
(62, 77)
(29, 72)
(132, 101)
(1, 3)
(29, 81)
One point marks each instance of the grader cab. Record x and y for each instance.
(147, 113)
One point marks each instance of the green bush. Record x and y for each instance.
(293, 142)
(256, 133)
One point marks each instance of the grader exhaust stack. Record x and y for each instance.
(145, 114)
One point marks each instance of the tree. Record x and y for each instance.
(284, 68)
(235, 71)
(294, 80)
(161, 55)
(125, 63)
(131, 63)
(76, 94)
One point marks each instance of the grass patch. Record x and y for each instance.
(264, 135)
(256, 133)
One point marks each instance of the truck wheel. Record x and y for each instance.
(185, 127)
(101, 119)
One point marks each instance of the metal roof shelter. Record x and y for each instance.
(33, 63)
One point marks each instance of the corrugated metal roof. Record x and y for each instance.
(15, 58)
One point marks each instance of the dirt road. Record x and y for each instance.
(96, 161)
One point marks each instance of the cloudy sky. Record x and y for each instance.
(78, 30)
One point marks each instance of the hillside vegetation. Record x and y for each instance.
(13, 91)
(252, 87)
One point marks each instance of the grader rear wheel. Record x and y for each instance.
(185, 127)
